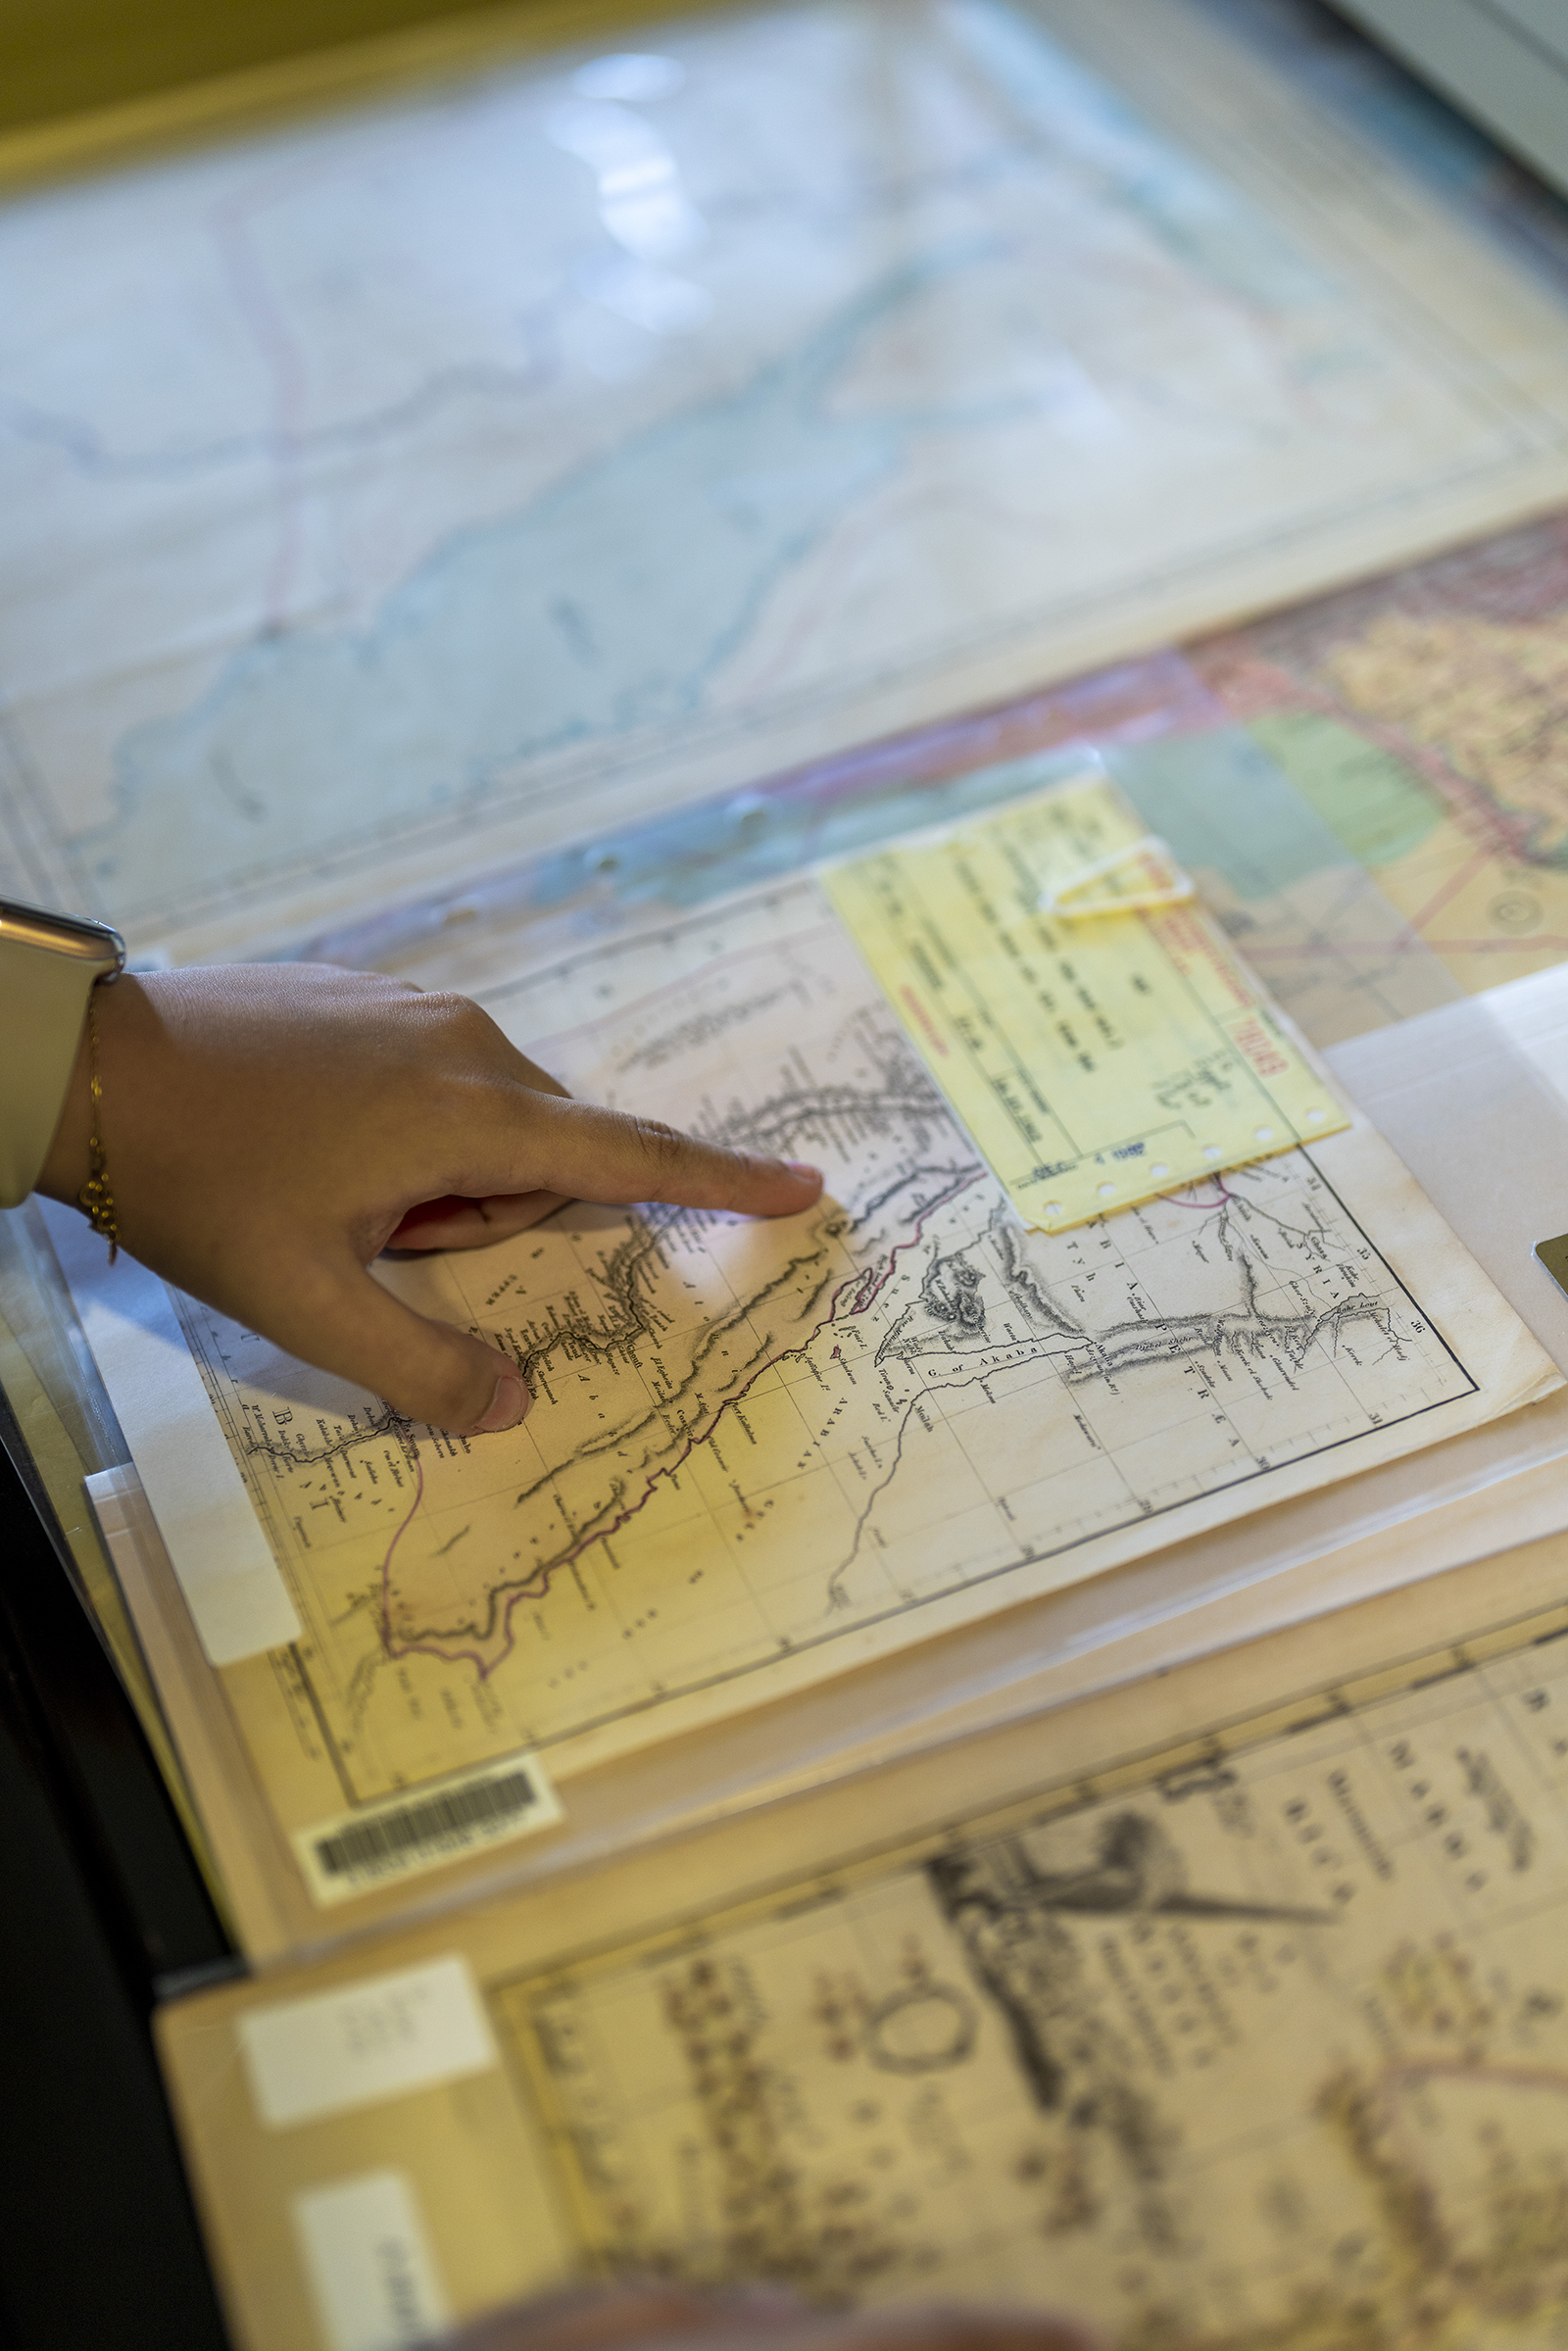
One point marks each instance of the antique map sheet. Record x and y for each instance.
(764, 1453)
(403, 491)
(1423, 719)
(1228, 2010)
(1370, 790)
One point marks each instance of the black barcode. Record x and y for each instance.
(393, 1833)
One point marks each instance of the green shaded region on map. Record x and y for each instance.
(1424, 715)
(1377, 808)
(1335, 949)
(1228, 811)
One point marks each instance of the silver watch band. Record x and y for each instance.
(49, 965)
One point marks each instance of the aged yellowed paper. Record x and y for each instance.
(762, 1456)
(1226, 2010)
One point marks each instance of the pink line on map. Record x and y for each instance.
(1452, 887)
(1205, 1208)
(1524, 944)
(386, 1565)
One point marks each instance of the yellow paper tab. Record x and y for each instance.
(1096, 1063)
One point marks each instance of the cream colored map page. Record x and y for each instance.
(764, 1453)
(1253, 2040)
(1092, 1029)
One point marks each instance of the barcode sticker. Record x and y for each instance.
(355, 1852)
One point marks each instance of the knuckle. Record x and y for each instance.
(459, 1017)
(664, 1145)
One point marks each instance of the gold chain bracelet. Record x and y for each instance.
(95, 1197)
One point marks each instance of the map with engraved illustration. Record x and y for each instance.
(762, 1452)
(1255, 2046)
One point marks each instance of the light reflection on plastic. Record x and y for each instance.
(640, 201)
(635, 78)
(655, 299)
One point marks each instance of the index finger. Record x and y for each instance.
(612, 1156)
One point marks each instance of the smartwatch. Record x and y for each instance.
(49, 966)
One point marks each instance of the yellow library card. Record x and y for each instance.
(1083, 1017)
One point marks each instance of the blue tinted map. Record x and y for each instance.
(401, 494)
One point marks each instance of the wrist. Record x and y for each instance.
(49, 964)
(69, 1161)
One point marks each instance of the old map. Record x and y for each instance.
(1398, 749)
(1270, 2053)
(761, 1453)
(1243, 2036)
(1424, 721)
(400, 491)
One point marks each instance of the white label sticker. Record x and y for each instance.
(370, 2264)
(379, 2037)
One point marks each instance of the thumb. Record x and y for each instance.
(345, 1322)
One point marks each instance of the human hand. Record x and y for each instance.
(269, 1128)
(672, 2317)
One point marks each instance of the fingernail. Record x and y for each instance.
(804, 1170)
(507, 1407)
